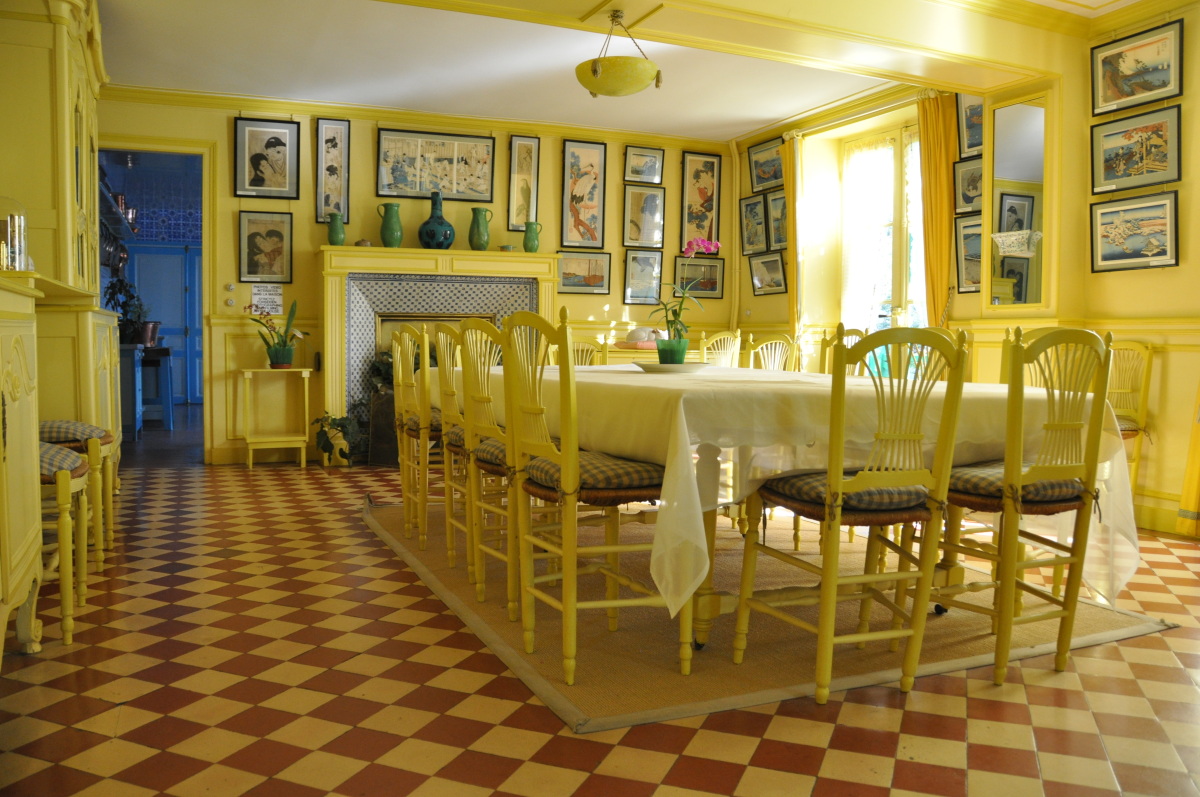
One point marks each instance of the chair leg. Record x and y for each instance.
(81, 508)
(920, 611)
(749, 564)
(685, 638)
(108, 486)
(66, 583)
(1006, 570)
(612, 535)
(1083, 519)
(827, 605)
(525, 539)
(512, 564)
(94, 490)
(570, 587)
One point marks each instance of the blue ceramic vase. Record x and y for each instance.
(435, 232)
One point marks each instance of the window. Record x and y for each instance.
(883, 252)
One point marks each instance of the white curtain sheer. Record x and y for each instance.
(868, 196)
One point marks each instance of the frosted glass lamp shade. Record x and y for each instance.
(616, 75)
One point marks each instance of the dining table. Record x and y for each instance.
(721, 432)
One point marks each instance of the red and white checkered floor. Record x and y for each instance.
(250, 636)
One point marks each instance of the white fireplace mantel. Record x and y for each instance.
(340, 263)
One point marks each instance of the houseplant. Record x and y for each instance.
(281, 344)
(121, 295)
(674, 348)
(338, 437)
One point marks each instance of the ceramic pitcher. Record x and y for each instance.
(530, 242)
(337, 230)
(478, 236)
(389, 231)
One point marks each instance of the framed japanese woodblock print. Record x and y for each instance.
(777, 220)
(644, 215)
(1016, 213)
(583, 194)
(643, 276)
(266, 158)
(416, 164)
(584, 272)
(968, 185)
(1017, 270)
(1138, 69)
(766, 165)
(968, 240)
(704, 277)
(970, 125)
(332, 168)
(265, 244)
(754, 225)
(643, 165)
(767, 274)
(1139, 232)
(523, 156)
(1136, 151)
(701, 196)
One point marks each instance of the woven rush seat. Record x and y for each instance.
(1129, 427)
(984, 482)
(53, 458)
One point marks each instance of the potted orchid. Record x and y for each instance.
(674, 348)
(281, 344)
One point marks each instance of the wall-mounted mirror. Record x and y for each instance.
(1018, 181)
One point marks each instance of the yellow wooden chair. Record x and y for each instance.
(490, 489)
(101, 449)
(850, 337)
(587, 487)
(1129, 396)
(448, 343)
(896, 487)
(64, 477)
(723, 348)
(418, 426)
(772, 352)
(586, 352)
(1069, 368)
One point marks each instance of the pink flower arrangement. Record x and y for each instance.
(700, 245)
(672, 311)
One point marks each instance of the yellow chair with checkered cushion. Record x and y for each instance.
(418, 425)
(587, 487)
(1066, 370)
(1129, 396)
(64, 477)
(722, 348)
(447, 342)
(897, 486)
(102, 451)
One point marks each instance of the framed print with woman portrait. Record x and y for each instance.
(1016, 213)
(583, 194)
(266, 158)
(643, 165)
(1138, 69)
(265, 243)
(701, 190)
(644, 215)
(332, 169)
(643, 276)
(523, 155)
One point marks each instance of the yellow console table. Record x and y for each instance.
(250, 410)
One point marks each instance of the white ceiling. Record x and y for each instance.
(391, 55)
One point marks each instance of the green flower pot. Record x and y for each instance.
(280, 356)
(672, 351)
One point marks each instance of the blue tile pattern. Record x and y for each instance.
(368, 295)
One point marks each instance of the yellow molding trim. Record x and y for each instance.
(1024, 13)
(1143, 14)
(1159, 494)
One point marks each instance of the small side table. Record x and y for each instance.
(298, 439)
(158, 359)
(131, 389)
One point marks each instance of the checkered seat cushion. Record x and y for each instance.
(455, 437)
(1128, 425)
(53, 458)
(435, 421)
(987, 479)
(810, 488)
(598, 471)
(71, 432)
(492, 451)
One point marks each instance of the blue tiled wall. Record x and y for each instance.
(164, 187)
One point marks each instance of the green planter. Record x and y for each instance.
(280, 356)
(673, 350)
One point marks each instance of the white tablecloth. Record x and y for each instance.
(764, 423)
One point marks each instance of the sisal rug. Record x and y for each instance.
(631, 676)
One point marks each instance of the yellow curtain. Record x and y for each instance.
(1188, 520)
(939, 148)
(793, 186)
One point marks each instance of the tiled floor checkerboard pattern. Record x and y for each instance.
(251, 636)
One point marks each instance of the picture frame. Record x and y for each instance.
(704, 277)
(968, 185)
(1016, 269)
(524, 158)
(1136, 151)
(753, 211)
(767, 274)
(412, 163)
(265, 245)
(644, 219)
(968, 252)
(644, 165)
(584, 272)
(583, 193)
(266, 158)
(1138, 232)
(701, 194)
(970, 125)
(332, 170)
(776, 220)
(1137, 69)
(643, 276)
(766, 165)
(1015, 213)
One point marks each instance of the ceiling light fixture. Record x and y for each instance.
(618, 75)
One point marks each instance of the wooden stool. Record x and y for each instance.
(82, 438)
(64, 475)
